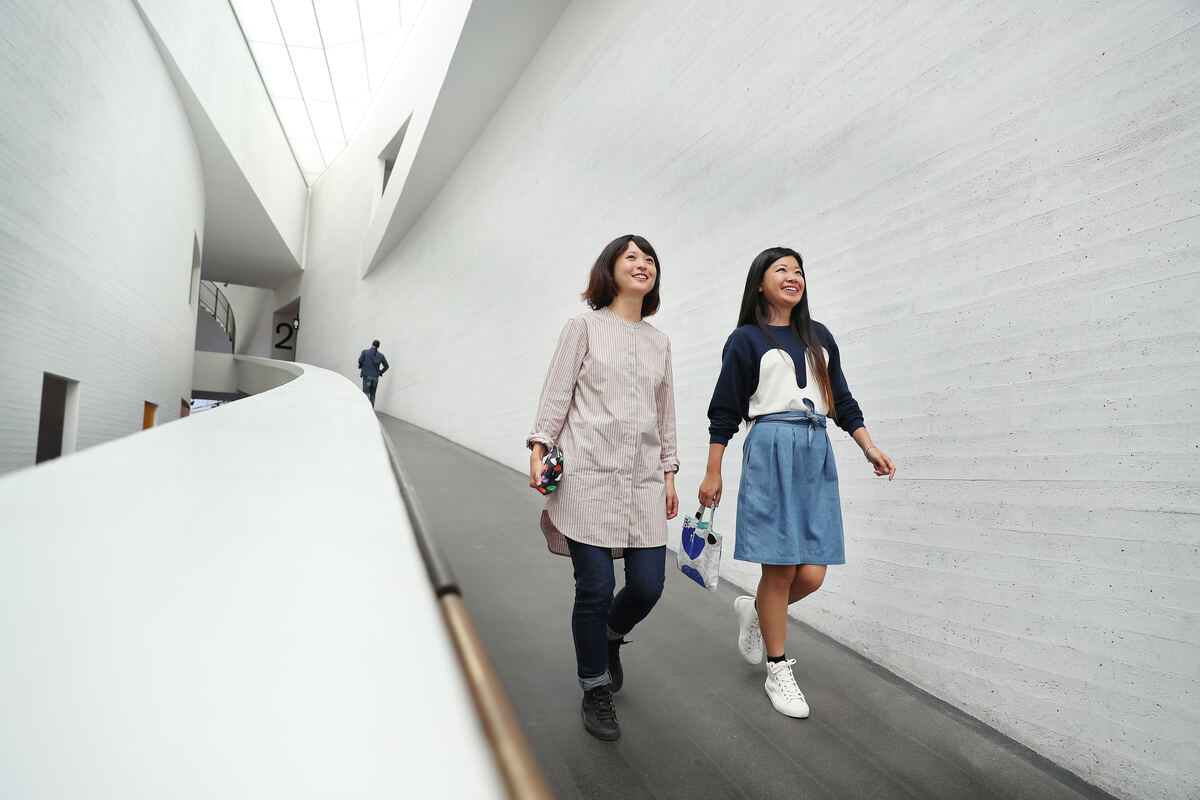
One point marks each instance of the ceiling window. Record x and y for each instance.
(322, 62)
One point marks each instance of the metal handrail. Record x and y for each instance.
(217, 304)
(518, 767)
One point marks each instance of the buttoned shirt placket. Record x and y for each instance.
(629, 430)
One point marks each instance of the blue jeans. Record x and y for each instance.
(369, 387)
(597, 611)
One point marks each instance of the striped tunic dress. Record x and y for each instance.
(609, 404)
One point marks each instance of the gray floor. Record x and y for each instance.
(695, 722)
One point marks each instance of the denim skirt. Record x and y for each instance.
(789, 511)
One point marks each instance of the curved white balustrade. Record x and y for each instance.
(231, 605)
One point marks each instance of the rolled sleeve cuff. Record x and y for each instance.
(539, 437)
(719, 438)
(670, 464)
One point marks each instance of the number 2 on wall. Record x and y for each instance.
(282, 344)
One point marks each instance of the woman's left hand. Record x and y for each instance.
(882, 464)
(672, 498)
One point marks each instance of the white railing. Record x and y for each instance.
(233, 603)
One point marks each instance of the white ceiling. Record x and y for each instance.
(322, 61)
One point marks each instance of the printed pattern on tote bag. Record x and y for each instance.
(699, 555)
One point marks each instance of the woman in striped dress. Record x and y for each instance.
(789, 517)
(609, 404)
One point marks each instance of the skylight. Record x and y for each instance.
(322, 62)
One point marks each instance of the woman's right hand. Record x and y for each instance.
(536, 467)
(710, 489)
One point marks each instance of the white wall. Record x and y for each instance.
(202, 621)
(252, 309)
(210, 336)
(208, 47)
(102, 201)
(348, 215)
(998, 208)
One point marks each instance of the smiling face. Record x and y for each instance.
(782, 287)
(634, 272)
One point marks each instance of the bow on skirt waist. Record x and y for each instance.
(810, 418)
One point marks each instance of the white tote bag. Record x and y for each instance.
(699, 555)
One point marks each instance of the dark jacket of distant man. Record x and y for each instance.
(371, 362)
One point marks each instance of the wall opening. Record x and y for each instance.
(194, 278)
(388, 164)
(149, 415)
(58, 421)
(387, 156)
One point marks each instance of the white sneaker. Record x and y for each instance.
(782, 689)
(750, 643)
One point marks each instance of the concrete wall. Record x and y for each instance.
(998, 208)
(103, 199)
(215, 372)
(256, 198)
(252, 308)
(201, 621)
(207, 45)
(349, 211)
(210, 336)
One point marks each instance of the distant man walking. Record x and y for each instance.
(372, 364)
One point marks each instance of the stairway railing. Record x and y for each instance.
(217, 304)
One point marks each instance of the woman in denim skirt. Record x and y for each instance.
(781, 372)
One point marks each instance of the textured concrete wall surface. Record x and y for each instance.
(102, 201)
(998, 208)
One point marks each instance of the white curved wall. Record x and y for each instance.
(253, 308)
(201, 620)
(207, 46)
(998, 209)
(103, 198)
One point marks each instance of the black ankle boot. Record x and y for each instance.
(615, 671)
(599, 716)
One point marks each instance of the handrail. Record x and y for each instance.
(436, 563)
(218, 306)
(518, 767)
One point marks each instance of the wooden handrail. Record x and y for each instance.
(514, 757)
(515, 761)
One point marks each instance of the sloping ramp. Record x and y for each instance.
(695, 722)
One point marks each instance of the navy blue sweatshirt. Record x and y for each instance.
(760, 377)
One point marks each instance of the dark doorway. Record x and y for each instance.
(52, 421)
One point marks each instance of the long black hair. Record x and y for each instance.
(755, 311)
(602, 284)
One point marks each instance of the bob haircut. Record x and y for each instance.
(755, 311)
(602, 285)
